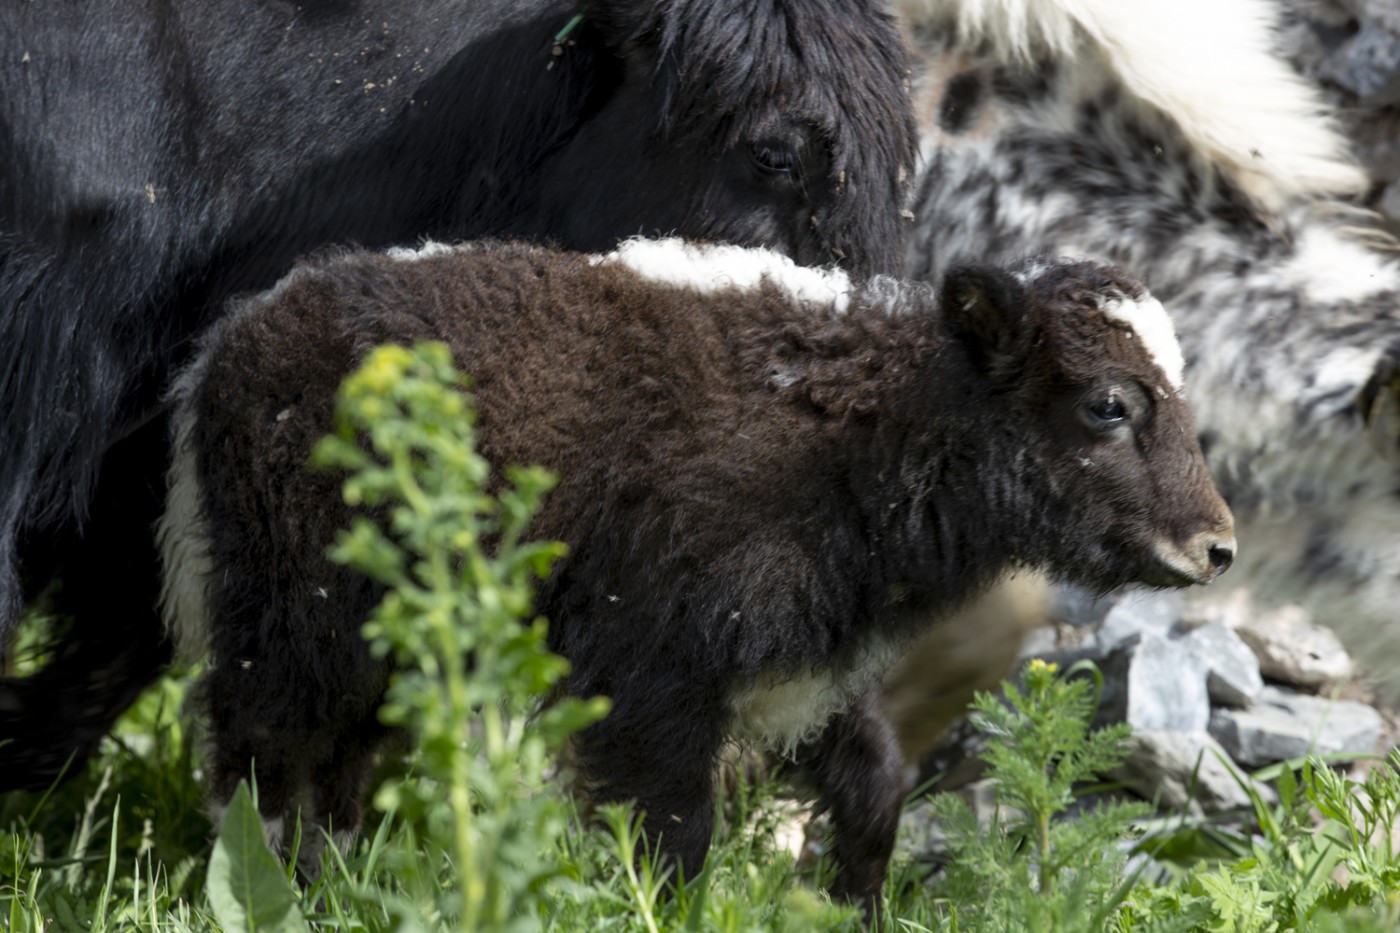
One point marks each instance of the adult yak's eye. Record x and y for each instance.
(774, 157)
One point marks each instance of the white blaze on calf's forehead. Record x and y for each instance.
(1150, 323)
(711, 268)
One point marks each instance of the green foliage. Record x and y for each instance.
(247, 888)
(1321, 857)
(749, 882)
(125, 838)
(460, 581)
(1028, 869)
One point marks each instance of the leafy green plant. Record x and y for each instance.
(1321, 855)
(470, 673)
(247, 888)
(1028, 869)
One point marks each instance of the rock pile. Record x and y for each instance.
(1212, 693)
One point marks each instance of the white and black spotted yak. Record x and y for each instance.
(1172, 138)
(772, 478)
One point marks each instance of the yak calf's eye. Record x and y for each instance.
(1109, 409)
(775, 157)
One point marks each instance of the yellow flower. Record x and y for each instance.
(383, 368)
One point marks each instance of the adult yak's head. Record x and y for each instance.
(779, 123)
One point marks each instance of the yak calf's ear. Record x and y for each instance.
(986, 309)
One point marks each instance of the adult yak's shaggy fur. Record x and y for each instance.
(1170, 137)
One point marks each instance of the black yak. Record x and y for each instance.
(157, 157)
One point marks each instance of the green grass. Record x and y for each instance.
(471, 830)
(125, 845)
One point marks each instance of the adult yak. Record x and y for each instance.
(156, 157)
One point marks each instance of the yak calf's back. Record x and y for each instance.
(772, 477)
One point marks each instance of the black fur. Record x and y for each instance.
(157, 157)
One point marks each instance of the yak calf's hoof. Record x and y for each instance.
(1379, 401)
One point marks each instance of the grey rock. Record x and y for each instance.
(1233, 677)
(1183, 770)
(1284, 725)
(921, 837)
(1139, 612)
(1039, 643)
(1153, 683)
(1078, 607)
(1292, 650)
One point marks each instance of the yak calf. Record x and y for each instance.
(772, 478)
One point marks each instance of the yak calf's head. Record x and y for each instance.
(1099, 434)
(777, 123)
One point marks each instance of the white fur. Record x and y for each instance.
(427, 250)
(1210, 64)
(714, 268)
(1149, 321)
(184, 537)
(1328, 267)
(782, 713)
(1144, 316)
(182, 532)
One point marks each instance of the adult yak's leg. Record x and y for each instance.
(116, 647)
(856, 767)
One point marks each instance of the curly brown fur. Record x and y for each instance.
(764, 498)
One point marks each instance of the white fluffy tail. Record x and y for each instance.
(1211, 65)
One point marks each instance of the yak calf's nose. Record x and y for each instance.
(1221, 555)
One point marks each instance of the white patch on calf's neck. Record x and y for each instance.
(781, 713)
(1027, 275)
(1149, 321)
(711, 268)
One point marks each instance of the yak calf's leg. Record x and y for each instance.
(666, 765)
(339, 788)
(264, 729)
(280, 780)
(856, 767)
